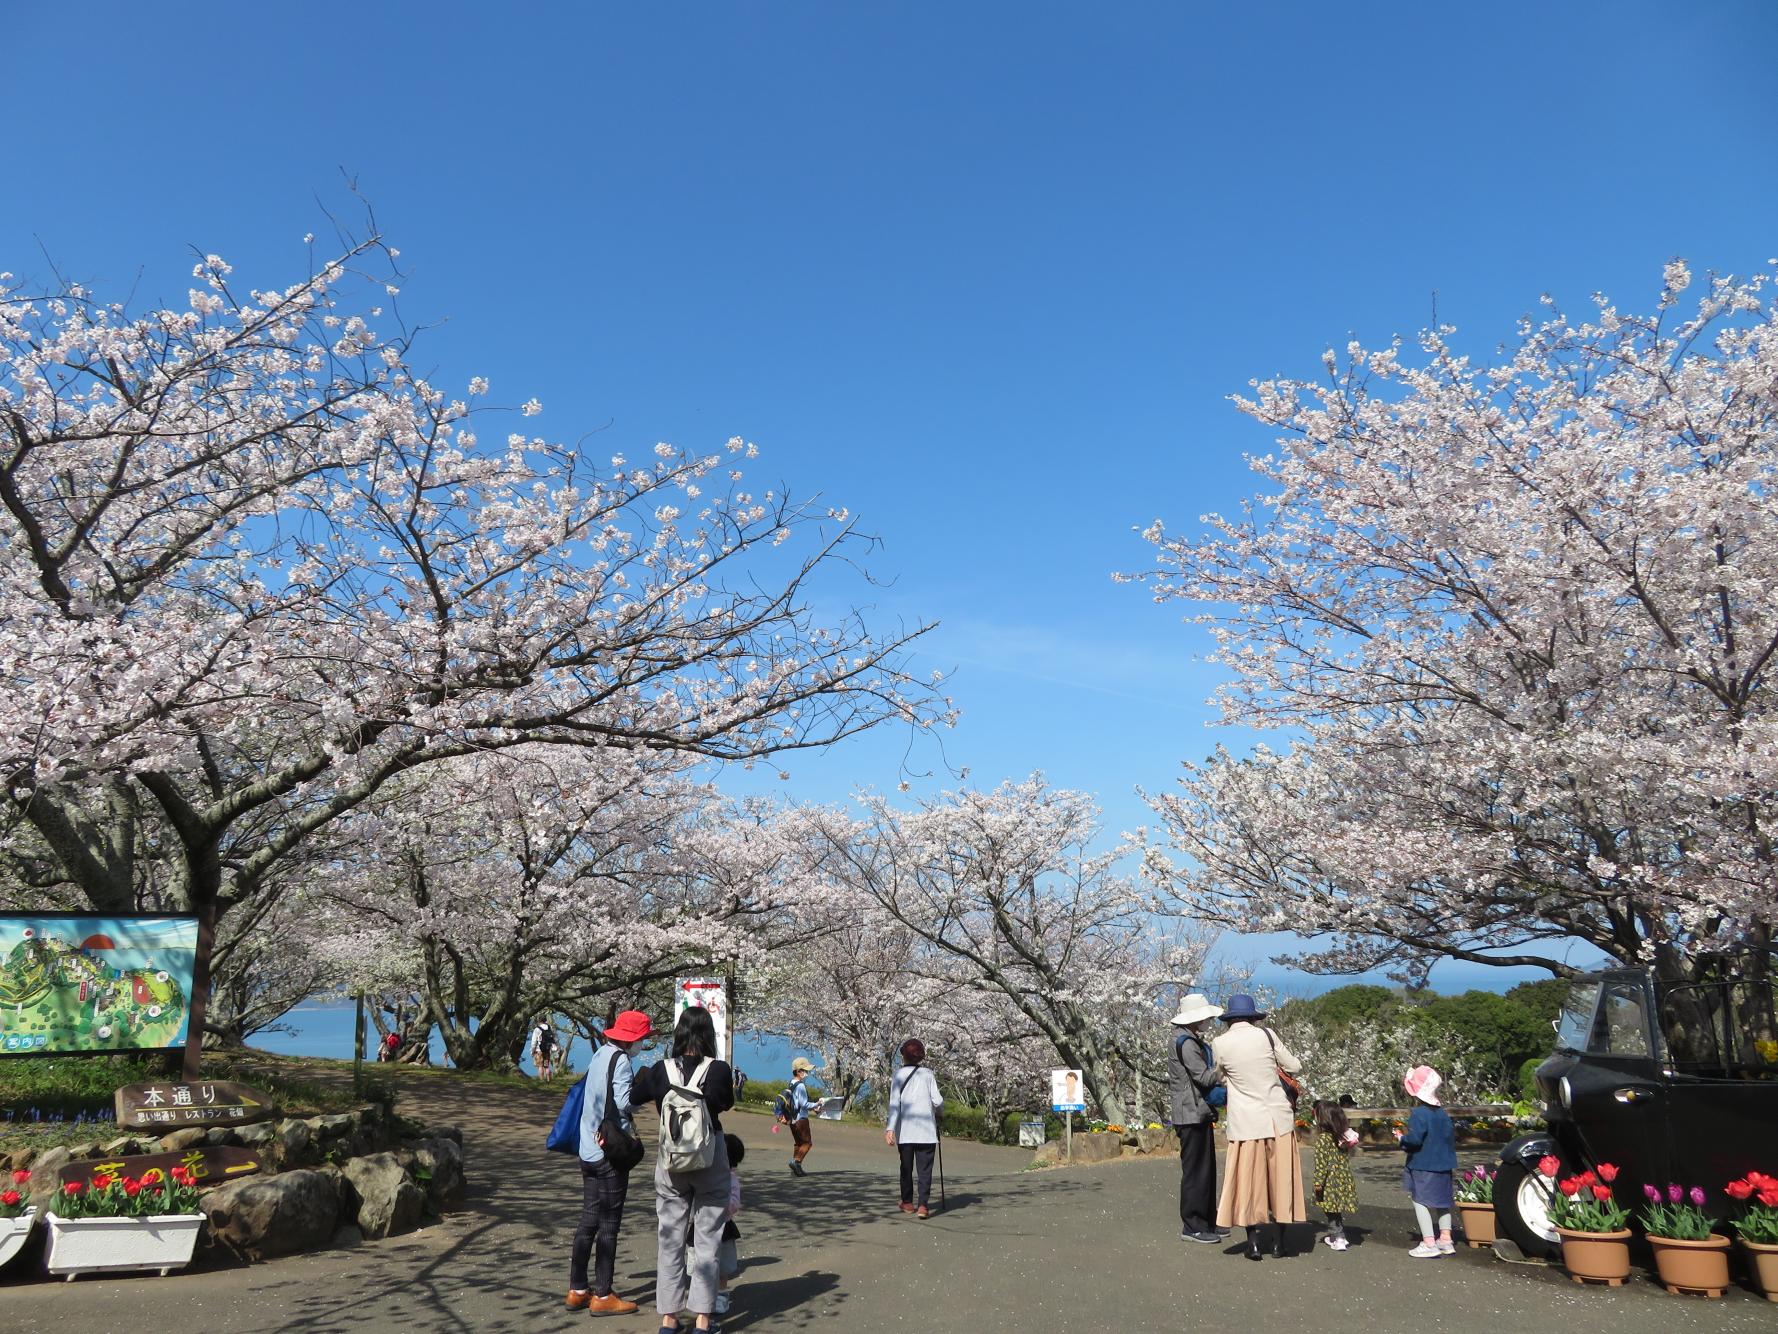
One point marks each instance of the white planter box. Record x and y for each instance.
(95, 1245)
(13, 1232)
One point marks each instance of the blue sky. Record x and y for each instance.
(983, 273)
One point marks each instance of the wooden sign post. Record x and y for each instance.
(208, 1165)
(170, 1106)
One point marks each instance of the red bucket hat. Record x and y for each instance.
(629, 1026)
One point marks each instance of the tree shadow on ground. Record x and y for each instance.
(798, 1300)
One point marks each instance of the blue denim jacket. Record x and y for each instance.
(1431, 1140)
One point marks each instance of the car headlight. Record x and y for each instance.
(1565, 1091)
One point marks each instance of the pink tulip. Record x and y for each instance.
(1698, 1196)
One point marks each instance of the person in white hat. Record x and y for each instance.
(1194, 1084)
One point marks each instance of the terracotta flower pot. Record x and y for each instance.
(1693, 1266)
(1603, 1257)
(1765, 1266)
(1478, 1223)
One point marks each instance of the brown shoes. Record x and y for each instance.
(906, 1208)
(609, 1304)
(923, 1212)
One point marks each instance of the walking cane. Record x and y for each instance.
(940, 1141)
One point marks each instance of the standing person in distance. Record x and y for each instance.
(1192, 1086)
(543, 1050)
(793, 1110)
(701, 1088)
(604, 1187)
(1263, 1180)
(914, 1103)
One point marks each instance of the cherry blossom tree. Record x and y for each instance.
(548, 882)
(1517, 619)
(256, 566)
(1003, 897)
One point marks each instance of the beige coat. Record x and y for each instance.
(1245, 1062)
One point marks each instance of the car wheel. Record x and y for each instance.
(1522, 1209)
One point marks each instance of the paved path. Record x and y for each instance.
(1075, 1251)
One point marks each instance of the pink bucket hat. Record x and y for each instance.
(1422, 1082)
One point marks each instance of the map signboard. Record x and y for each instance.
(712, 994)
(208, 1164)
(74, 984)
(169, 1106)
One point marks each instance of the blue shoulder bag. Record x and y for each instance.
(1218, 1095)
(564, 1136)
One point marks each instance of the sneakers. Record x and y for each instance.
(610, 1304)
(1208, 1238)
(722, 1304)
(1446, 1246)
(922, 1212)
(796, 1168)
(906, 1208)
(1335, 1243)
(1426, 1250)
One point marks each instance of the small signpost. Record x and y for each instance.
(208, 1163)
(170, 1106)
(1066, 1097)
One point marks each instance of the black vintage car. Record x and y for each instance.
(1668, 1083)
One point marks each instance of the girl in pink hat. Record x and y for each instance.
(1431, 1143)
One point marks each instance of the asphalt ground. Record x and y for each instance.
(1076, 1250)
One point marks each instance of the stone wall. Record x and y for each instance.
(333, 1180)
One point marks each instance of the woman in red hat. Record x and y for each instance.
(604, 1187)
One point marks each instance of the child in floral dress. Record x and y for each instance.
(1333, 1186)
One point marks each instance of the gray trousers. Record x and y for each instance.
(698, 1200)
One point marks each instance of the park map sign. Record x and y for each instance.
(77, 984)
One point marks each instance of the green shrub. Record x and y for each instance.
(763, 1092)
(1528, 1078)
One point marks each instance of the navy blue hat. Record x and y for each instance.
(1242, 1007)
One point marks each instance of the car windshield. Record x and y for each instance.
(1576, 1023)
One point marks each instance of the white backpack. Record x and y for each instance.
(688, 1133)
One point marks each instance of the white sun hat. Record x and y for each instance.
(1195, 1007)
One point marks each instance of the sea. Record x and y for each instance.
(325, 1029)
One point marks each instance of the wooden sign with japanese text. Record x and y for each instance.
(169, 1105)
(209, 1164)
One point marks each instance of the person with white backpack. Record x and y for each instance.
(691, 1089)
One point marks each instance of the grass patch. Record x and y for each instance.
(51, 1100)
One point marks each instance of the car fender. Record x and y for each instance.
(1527, 1149)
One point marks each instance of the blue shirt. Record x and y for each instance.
(799, 1101)
(592, 1106)
(1431, 1140)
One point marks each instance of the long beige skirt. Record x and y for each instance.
(1262, 1182)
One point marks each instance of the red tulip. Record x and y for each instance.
(103, 1182)
(1587, 1178)
(73, 1188)
(1739, 1190)
(1570, 1187)
(1549, 1165)
(1768, 1196)
(1601, 1193)
(9, 1197)
(20, 1176)
(132, 1188)
(1607, 1172)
